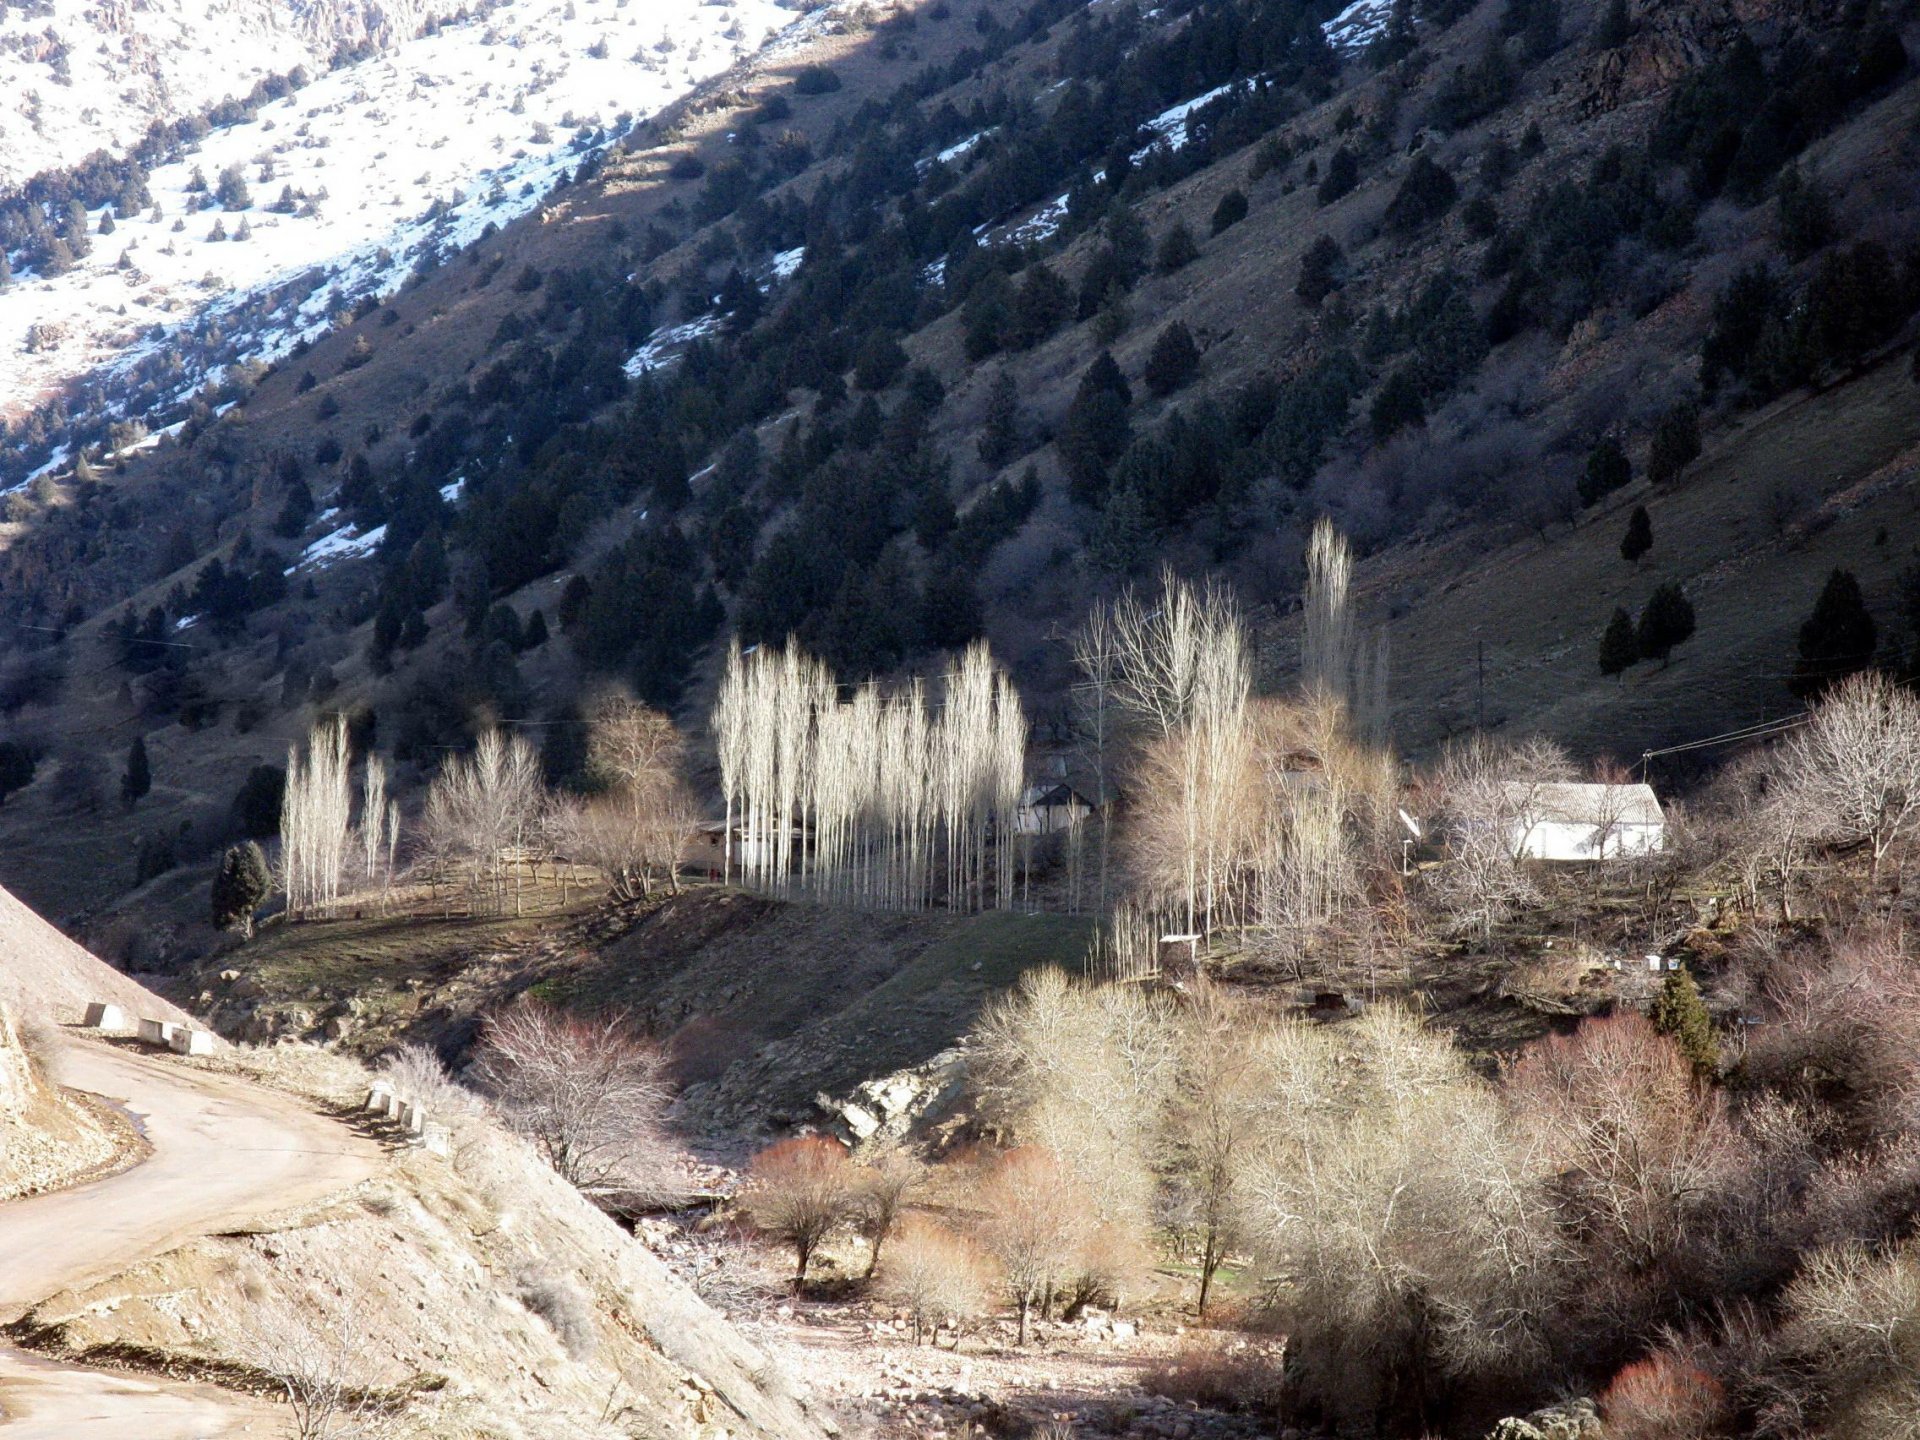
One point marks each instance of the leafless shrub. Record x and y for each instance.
(418, 1073)
(1842, 1040)
(1237, 1374)
(1853, 1333)
(1038, 1221)
(590, 1094)
(561, 1302)
(314, 1353)
(940, 1278)
(799, 1192)
(1663, 1398)
(735, 1278)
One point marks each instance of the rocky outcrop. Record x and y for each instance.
(1569, 1420)
(894, 1107)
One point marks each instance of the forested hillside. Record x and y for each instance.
(938, 321)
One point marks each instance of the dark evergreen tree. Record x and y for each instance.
(1174, 361)
(1639, 537)
(1680, 1014)
(1837, 639)
(1177, 249)
(1343, 173)
(1231, 210)
(1615, 26)
(879, 361)
(1095, 431)
(138, 779)
(1608, 469)
(240, 887)
(1618, 647)
(1323, 270)
(1397, 405)
(231, 191)
(1676, 443)
(1042, 303)
(256, 805)
(1000, 435)
(1666, 621)
(1426, 194)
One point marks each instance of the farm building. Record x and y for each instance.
(1051, 809)
(1576, 822)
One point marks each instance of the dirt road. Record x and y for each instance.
(224, 1152)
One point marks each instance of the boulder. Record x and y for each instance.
(1569, 1420)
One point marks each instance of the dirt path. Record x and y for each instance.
(224, 1152)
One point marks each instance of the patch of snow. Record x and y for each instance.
(453, 490)
(956, 151)
(1170, 126)
(186, 622)
(346, 543)
(1359, 25)
(408, 154)
(787, 262)
(663, 347)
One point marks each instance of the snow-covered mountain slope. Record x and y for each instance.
(80, 75)
(417, 148)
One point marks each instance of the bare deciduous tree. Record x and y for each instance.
(1038, 1221)
(882, 1186)
(314, 1353)
(1083, 1071)
(1853, 773)
(314, 816)
(860, 802)
(590, 1094)
(1489, 797)
(800, 1191)
(483, 812)
(938, 1277)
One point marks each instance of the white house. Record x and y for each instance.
(1574, 822)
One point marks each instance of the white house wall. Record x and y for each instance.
(1559, 840)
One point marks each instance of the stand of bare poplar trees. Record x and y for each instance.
(317, 836)
(1248, 814)
(880, 801)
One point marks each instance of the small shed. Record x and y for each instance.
(1051, 809)
(1584, 822)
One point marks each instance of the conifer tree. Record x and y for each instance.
(1177, 249)
(1666, 621)
(1608, 468)
(1618, 647)
(139, 777)
(1680, 1014)
(1838, 638)
(1000, 436)
(1174, 361)
(1231, 210)
(1639, 537)
(1676, 443)
(240, 886)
